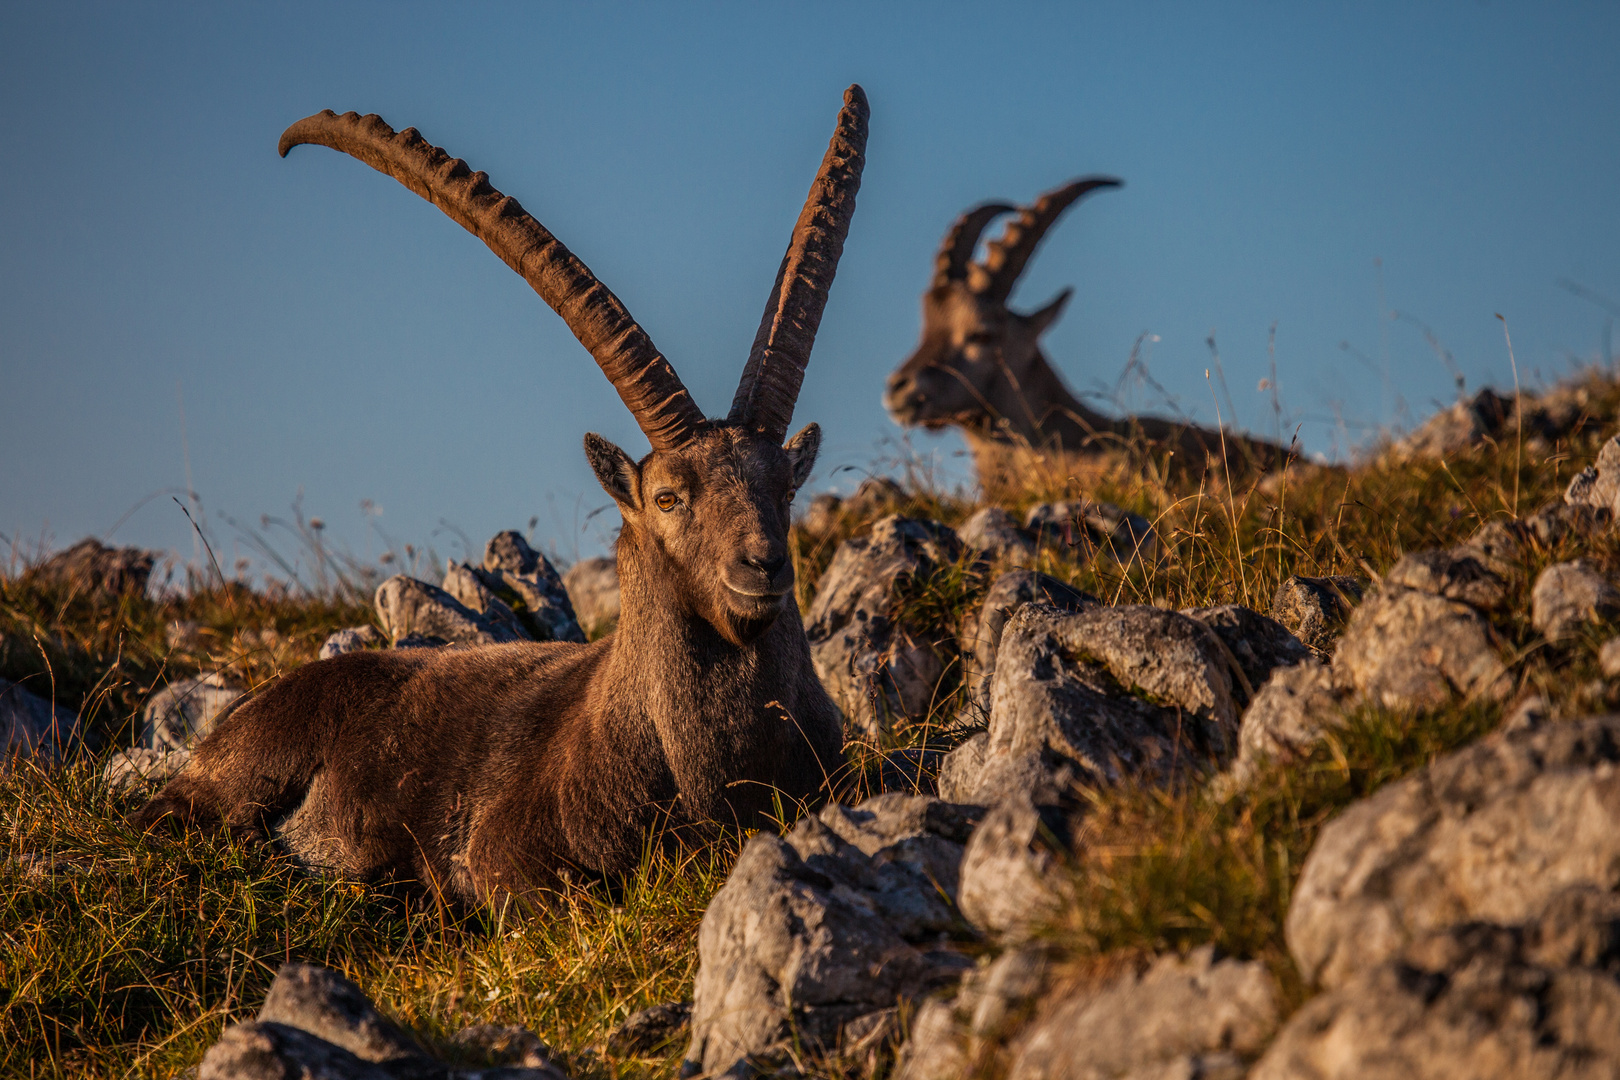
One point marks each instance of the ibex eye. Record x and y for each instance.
(666, 502)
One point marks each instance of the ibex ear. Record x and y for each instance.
(615, 471)
(1044, 318)
(802, 450)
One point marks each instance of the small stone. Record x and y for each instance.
(1609, 658)
(1571, 596)
(1259, 645)
(822, 515)
(1598, 485)
(1406, 649)
(406, 606)
(185, 711)
(593, 588)
(530, 586)
(1315, 609)
(350, 640)
(1288, 715)
(993, 531)
(649, 1031)
(1015, 867)
(504, 1045)
(1455, 574)
(1093, 528)
(1007, 594)
(133, 771)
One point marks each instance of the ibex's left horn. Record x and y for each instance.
(641, 375)
(775, 369)
(951, 264)
(1007, 257)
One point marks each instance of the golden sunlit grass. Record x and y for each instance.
(122, 955)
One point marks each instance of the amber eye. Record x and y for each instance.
(666, 502)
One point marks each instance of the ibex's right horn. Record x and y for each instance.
(775, 369)
(1007, 257)
(951, 264)
(643, 378)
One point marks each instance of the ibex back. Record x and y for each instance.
(979, 365)
(486, 772)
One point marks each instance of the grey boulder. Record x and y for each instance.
(1008, 593)
(881, 669)
(35, 728)
(992, 530)
(1315, 609)
(816, 936)
(185, 711)
(1408, 649)
(527, 582)
(1259, 645)
(1015, 867)
(1598, 484)
(1096, 696)
(407, 607)
(1287, 716)
(1571, 596)
(593, 589)
(1487, 833)
(352, 639)
(135, 770)
(1459, 574)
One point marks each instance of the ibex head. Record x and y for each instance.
(706, 512)
(977, 354)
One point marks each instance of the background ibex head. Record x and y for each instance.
(706, 512)
(978, 358)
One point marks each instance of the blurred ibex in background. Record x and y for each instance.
(980, 367)
(486, 772)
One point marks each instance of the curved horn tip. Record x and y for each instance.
(856, 96)
(295, 135)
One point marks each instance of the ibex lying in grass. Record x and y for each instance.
(485, 772)
(979, 364)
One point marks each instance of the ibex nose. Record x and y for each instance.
(769, 565)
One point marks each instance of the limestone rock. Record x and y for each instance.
(1007, 594)
(1599, 483)
(648, 1031)
(130, 771)
(993, 531)
(1533, 1000)
(318, 1025)
(33, 727)
(1489, 833)
(960, 769)
(1609, 658)
(1014, 868)
(593, 587)
(406, 606)
(92, 568)
(1408, 649)
(949, 1034)
(1287, 716)
(1557, 522)
(1260, 645)
(504, 1044)
(879, 669)
(185, 711)
(461, 582)
(531, 587)
(352, 639)
(1192, 1017)
(1462, 426)
(1315, 609)
(1570, 596)
(1094, 528)
(816, 936)
(1102, 694)
(1456, 574)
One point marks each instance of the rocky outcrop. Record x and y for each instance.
(1009, 592)
(1488, 833)
(91, 568)
(185, 711)
(317, 1024)
(406, 607)
(593, 588)
(1571, 596)
(1533, 999)
(1096, 696)
(1175, 1017)
(1315, 609)
(34, 728)
(530, 586)
(816, 936)
(1090, 528)
(880, 668)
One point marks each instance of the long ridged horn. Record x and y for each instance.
(1007, 257)
(775, 369)
(643, 378)
(951, 264)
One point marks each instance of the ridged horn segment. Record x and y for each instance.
(1007, 257)
(643, 378)
(951, 264)
(775, 369)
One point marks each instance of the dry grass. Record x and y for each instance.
(122, 955)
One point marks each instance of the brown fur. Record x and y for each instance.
(484, 771)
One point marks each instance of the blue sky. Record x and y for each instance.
(330, 333)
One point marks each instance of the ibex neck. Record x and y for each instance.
(1040, 411)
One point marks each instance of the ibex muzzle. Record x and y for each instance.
(485, 772)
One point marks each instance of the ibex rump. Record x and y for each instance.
(485, 772)
(979, 364)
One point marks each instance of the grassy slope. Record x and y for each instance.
(123, 956)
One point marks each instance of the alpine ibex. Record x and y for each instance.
(980, 367)
(486, 772)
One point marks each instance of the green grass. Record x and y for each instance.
(122, 955)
